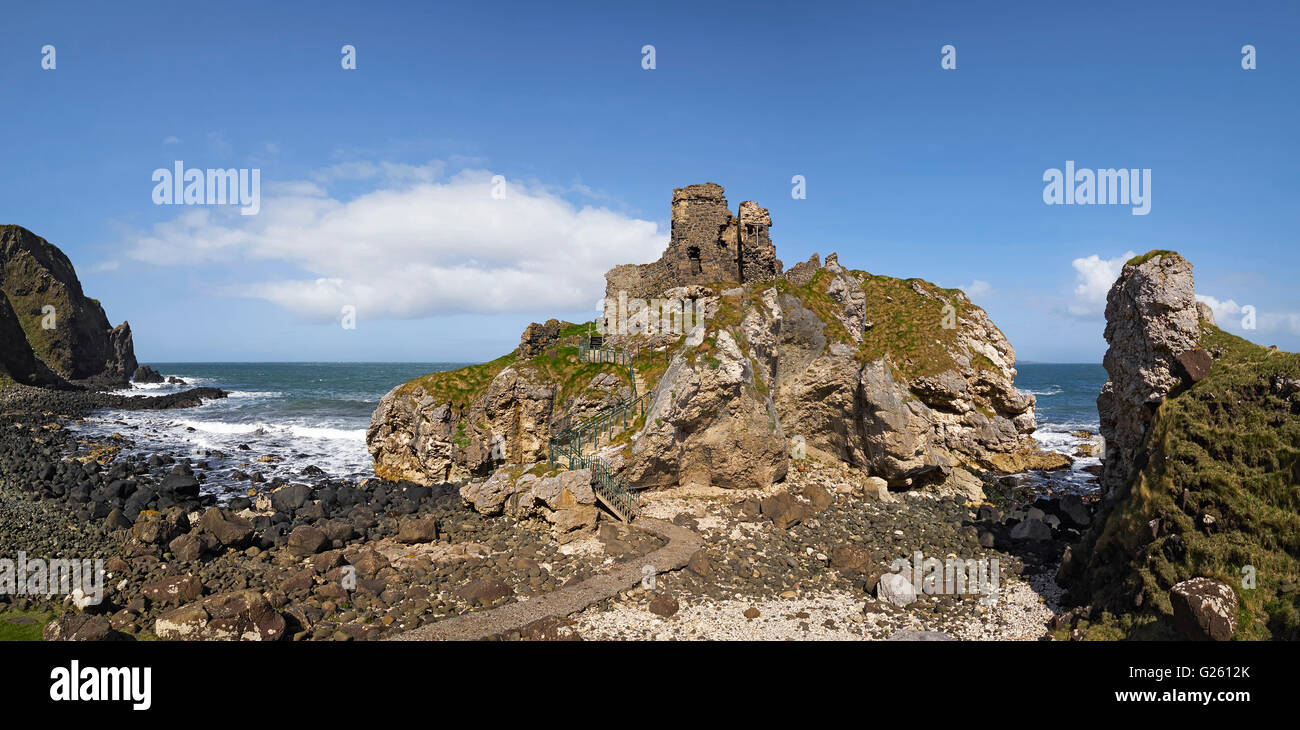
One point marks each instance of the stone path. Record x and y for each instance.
(682, 544)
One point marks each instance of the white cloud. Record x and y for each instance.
(1095, 276)
(412, 248)
(171, 139)
(978, 289)
(1222, 309)
(1229, 315)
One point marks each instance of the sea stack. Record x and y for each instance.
(897, 376)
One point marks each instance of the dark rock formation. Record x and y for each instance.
(538, 337)
(17, 361)
(64, 328)
(1204, 609)
(146, 374)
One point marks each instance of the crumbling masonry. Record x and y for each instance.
(708, 245)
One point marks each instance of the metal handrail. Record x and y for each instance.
(568, 443)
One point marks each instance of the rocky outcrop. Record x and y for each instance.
(1202, 455)
(419, 433)
(565, 501)
(538, 337)
(65, 329)
(874, 400)
(146, 374)
(1151, 320)
(905, 379)
(708, 424)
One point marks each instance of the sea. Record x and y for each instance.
(295, 415)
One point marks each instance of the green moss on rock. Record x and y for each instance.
(1226, 448)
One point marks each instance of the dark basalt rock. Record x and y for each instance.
(1194, 365)
(42, 288)
(146, 374)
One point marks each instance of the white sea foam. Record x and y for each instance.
(271, 429)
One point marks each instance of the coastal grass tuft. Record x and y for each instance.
(1143, 258)
(1228, 448)
(460, 387)
(907, 317)
(10, 631)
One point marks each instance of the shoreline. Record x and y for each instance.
(464, 562)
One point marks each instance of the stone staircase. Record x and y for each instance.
(567, 446)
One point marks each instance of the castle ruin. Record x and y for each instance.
(708, 245)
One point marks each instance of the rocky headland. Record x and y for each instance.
(52, 332)
(901, 378)
(792, 441)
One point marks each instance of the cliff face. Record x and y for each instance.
(452, 425)
(74, 338)
(1151, 319)
(1201, 471)
(899, 376)
(18, 364)
(903, 377)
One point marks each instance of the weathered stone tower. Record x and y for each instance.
(708, 244)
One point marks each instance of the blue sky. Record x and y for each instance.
(375, 181)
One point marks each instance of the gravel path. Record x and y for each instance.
(682, 544)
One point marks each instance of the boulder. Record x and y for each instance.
(784, 510)
(895, 589)
(850, 558)
(228, 530)
(146, 374)
(81, 627)
(176, 589)
(1194, 364)
(484, 591)
(1031, 529)
(236, 616)
(663, 604)
(290, 498)
(417, 529)
(306, 540)
(159, 528)
(1204, 609)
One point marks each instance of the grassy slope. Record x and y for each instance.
(22, 632)
(1234, 447)
(563, 369)
(904, 324)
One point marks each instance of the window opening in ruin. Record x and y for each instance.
(693, 253)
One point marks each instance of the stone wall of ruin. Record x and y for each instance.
(708, 244)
